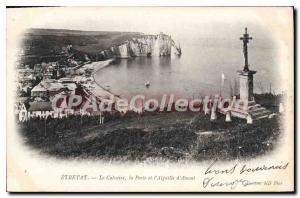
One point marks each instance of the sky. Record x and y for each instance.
(270, 27)
(182, 23)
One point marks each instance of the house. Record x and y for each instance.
(25, 71)
(47, 75)
(66, 80)
(35, 109)
(51, 87)
(42, 110)
(39, 91)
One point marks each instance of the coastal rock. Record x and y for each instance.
(145, 45)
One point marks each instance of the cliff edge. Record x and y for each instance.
(145, 45)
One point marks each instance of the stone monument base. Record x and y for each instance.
(251, 113)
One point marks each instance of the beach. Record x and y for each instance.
(96, 66)
(100, 90)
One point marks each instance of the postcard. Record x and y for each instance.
(150, 99)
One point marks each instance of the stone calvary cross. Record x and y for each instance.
(245, 40)
(251, 110)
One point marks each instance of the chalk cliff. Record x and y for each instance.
(145, 45)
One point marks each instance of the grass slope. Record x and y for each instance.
(164, 136)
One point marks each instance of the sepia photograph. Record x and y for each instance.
(150, 99)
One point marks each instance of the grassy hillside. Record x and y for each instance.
(162, 136)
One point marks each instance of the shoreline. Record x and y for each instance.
(104, 64)
(97, 66)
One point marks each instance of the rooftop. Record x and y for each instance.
(53, 85)
(40, 106)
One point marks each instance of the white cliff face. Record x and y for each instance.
(148, 45)
(156, 47)
(123, 51)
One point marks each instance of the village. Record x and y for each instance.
(39, 83)
(38, 86)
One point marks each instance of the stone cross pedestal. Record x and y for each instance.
(246, 85)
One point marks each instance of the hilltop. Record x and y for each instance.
(51, 42)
